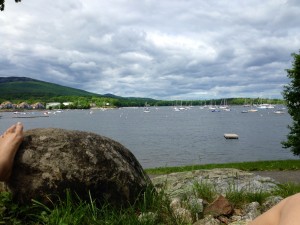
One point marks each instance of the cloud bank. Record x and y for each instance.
(159, 49)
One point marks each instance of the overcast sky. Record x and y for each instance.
(162, 49)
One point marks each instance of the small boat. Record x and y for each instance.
(146, 108)
(231, 136)
(224, 105)
(176, 109)
(279, 112)
(252, 110)
(262, 106)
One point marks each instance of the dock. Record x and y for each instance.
(231, 136)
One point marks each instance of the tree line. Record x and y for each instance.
(85, 102)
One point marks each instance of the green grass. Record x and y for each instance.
(205, 191)
(248, 166)
(74, 211)
(287, 189)
(240, 197)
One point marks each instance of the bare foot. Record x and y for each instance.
(9, 145)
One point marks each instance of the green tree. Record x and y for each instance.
(2, 4)
(291, 94)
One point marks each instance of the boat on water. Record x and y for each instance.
(279, 112)
(252, 110)
(224, 105)
(176, 109)
(146, 108)
(265, 106)
(211, 107)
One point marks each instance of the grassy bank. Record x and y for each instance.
(248, 166)
(153, 209)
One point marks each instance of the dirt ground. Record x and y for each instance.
(281, 176)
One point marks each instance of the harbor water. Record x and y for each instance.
(165, 137)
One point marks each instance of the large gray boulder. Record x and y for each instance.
(50, 161)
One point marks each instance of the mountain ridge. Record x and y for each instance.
(13, 79)
(17, 87)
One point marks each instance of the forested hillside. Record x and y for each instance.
(12, 88)
(24, 89)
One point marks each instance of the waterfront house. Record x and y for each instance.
(6, 105)
(24, 105)
(38, 105)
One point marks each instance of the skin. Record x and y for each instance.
(286, 212)
(9, 144)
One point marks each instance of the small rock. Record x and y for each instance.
(220, 206)
(237, 212)
(148, 217)
(236, 218)
(240, 223)
(183, 214)
(270, 202)
(208, 220)
(196, 205)
(223, 219)
(175, 203)
(251, 211)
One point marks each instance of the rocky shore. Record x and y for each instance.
(192, 209)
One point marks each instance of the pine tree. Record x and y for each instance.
(291, 94)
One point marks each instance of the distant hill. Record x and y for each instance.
(24, 87)
(17, 89)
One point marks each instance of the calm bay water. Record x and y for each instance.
(164, 137)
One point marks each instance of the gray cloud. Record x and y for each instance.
(165, 50)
